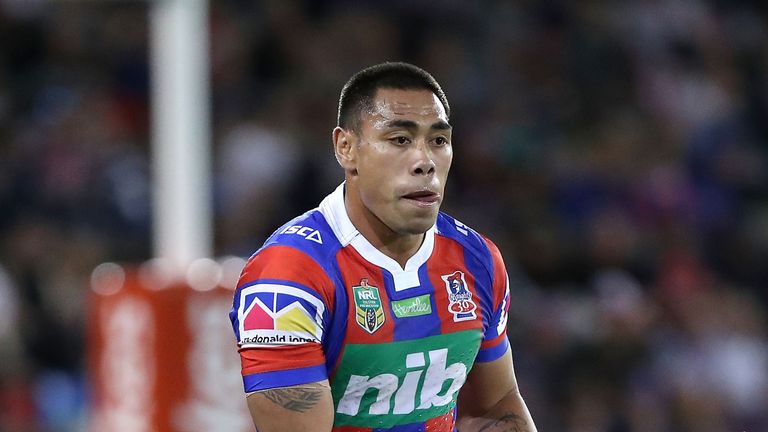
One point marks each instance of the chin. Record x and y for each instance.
(419, 226)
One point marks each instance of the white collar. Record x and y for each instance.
(332, 207)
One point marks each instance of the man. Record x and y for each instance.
(368, 312)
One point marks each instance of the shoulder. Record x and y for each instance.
(473, 242)
(302, 251)
(308, 234)
(479, 249)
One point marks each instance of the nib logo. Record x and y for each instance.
(384, 385)
(412, 392)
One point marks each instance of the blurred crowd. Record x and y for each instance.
(617, 152)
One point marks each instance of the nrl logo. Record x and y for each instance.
(461, 305)
(369, 313)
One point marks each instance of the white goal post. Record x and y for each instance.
(181, 131)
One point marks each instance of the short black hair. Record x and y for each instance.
(358, 93)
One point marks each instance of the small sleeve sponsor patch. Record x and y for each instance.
(501, 327)
(272, 315)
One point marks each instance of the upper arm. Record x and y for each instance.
(492, 376)
(486, 385)
(495, 342)
(490, 397)
(307, 407)
(280, 315)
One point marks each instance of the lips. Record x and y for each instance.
(423, 196)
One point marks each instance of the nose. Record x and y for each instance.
(424, 163)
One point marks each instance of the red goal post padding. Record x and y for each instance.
(162, 356)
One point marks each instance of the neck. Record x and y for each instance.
(399, 247)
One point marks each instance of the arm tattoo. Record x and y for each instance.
(299, 399)
(506, 423)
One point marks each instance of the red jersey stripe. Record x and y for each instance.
(499, 274)
(255, 360)
(352, 274)
(287, 263)
(451, 252)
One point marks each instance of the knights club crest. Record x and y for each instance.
(460, 300)
(369, 312)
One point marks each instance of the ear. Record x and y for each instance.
(345, 149)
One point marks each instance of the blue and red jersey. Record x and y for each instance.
(318, 302)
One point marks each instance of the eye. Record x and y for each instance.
(399, 140)
(441, 141)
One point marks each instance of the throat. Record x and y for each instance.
(398, 246)
(402, 248)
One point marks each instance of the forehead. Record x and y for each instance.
(415, 105)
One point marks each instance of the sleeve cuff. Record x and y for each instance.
(489, 354)
(284, 378)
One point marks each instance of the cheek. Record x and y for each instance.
(382, 167)
(375, 172)
(375, 179)
(374, 159)
(445, 161)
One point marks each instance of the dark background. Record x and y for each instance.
(617, 152)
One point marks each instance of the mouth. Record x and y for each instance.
(423, 198)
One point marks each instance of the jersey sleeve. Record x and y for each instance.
(280, 312)
(495, 342)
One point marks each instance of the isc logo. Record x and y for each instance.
(306, 232)
(413, 392)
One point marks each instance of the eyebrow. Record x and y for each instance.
(410, 124)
